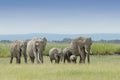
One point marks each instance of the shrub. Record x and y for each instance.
(97, 48)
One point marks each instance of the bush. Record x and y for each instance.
(105, 48)
(97, 48)
(4, 49)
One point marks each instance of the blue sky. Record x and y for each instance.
(59, 16)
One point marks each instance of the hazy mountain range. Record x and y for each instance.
(59, 37)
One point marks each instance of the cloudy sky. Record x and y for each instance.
(59, 16)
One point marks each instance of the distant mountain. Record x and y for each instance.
(59, 37)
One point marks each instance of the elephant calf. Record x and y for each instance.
(55, 54)
(67, 52)
(73, 58)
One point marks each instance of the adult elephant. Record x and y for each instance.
(55, 54)
(35, 47)
(67, 52)
(18, 48)
(82, 46)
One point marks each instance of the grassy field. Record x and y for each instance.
(105, 67)
(100, 68)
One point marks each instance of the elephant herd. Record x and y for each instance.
(34, 48)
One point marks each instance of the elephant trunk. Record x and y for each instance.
(80, 52)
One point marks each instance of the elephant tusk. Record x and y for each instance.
(39, 57)
(86, 51)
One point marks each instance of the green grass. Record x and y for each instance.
(105, 48)
(4, 49)
(97, 48)
(100, 68)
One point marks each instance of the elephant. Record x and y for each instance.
(67, 52)
(82, 46)
(35, 48)
(17, 49)
(55, 54)
(73, 58)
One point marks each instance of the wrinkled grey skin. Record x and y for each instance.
(73, 58)
(55, 54)
(67, 52)
(17, 49)
(23, 50)
(82, 46)
(35, 48)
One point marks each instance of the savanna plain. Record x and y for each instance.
(104, 65)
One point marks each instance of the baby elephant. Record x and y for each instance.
(67, 52)
(55, 54)
(73, 58)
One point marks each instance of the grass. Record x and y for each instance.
(4, 49)
(97, 48)
(105, 48)
(100, 68)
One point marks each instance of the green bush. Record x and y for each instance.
(105, 48)
(4, 49)
(97, 48)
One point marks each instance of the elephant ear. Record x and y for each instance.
(44, 42)
(88, 41)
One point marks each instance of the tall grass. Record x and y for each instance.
(105, 48)
(4, 49)
(97, 48)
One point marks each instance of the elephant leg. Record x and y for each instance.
(75, 61)
(25, 58)
(64, 59)
(32, 59)
(37, 58)
(11, 59)
(80, 59)
(51, 60)
(88, 57)
(18, 60)
(57, 60)
(83, 58)
(41, 58)
(68, 60)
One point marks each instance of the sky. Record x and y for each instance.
(59, 16)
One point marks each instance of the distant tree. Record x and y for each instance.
(5, 41)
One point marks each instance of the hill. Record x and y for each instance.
(59, 37)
